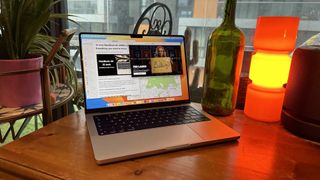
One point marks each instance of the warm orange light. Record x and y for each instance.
(269, 70)
(274, 39)
(276, 33)
(264, 104)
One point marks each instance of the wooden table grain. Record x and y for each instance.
(62, 150)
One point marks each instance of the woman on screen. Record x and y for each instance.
(160, 52)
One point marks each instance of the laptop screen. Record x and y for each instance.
(120, 70)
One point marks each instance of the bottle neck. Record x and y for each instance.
(230, 12)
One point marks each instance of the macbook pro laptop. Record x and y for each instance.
(137, 99)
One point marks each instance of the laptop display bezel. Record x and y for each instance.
(131, 107)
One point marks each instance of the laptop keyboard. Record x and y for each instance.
(146, 119)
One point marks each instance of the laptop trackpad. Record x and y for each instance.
(143, 141)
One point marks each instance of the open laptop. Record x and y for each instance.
(137, 99)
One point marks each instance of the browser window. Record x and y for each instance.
(120, 70)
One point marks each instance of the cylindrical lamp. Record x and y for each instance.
(274, 39)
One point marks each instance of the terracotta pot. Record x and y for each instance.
(21, 89)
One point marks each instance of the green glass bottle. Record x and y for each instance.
(223, 65)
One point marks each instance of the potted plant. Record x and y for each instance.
(24, 45)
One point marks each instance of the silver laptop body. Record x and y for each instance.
(124, 73)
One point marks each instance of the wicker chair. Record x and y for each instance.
(51, 98)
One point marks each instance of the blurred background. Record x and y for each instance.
(202, 16)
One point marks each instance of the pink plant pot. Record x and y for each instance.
(21, 89)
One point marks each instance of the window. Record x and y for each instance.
(202, 16)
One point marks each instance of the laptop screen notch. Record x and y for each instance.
(136, 36)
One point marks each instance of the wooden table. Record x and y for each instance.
(62, 150)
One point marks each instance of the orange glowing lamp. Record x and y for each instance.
(274, 39)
